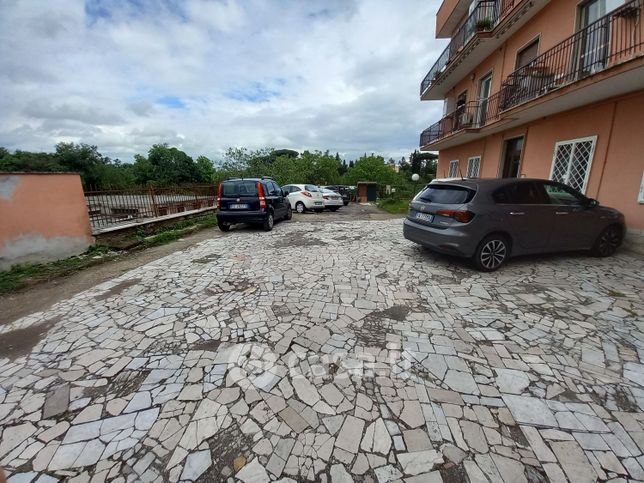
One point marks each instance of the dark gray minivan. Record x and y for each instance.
(490, 220)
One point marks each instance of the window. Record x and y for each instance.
(523, 193)
(447, 194)
(273, 188)
(453, 169)
(473, 167)
(563, 195)
(572, 161)
(239, 188)
(527, 54)
(310, 187)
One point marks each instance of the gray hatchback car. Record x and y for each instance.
(489, 220)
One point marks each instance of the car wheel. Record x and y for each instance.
(608, 241)
(269, 222)
(225, 227)
(346, 203)
(492, 252)
(334, 208)
(289, 214)
(299, 207)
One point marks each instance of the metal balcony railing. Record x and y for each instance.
(607, 42)
(610, 40)
(484, 18)
(472, 115)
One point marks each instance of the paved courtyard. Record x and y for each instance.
(331, 352)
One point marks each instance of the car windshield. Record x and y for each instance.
(446, 194)
(240, 188)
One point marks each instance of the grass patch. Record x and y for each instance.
(30, 273)
(26, 274)
(394, 206)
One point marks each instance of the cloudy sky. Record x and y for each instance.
(204, 75)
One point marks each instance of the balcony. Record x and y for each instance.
(570, 68)
(491, 22)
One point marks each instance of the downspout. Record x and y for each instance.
(610, 138)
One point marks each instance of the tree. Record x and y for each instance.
(289, 153)
(372, 168)
(205, 170)
(171, 165)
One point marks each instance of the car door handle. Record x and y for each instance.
(517, 213)
(562, 212)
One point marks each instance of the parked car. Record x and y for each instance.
(491, 220)
(332, 200)
(345, 192)
(251, 200)
(304, 197)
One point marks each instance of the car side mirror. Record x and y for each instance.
(284, 193)
(592, 203)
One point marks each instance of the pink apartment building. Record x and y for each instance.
(545, 89)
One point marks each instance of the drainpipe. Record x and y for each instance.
(610, 138)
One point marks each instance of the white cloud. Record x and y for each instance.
(205, 74)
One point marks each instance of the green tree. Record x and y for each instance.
(372, 168)
(205, 169)
(171, 165)
(84, 159)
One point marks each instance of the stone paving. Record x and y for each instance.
(332, 352)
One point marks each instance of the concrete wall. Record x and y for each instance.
(43, 217)
(617, 165)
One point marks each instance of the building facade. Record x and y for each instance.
(545, 89)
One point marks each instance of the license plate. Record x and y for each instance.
(319, 203)
(240, 206)
(425, 217)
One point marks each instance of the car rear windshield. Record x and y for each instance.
(310, 187)
(447, 195)
(240, 188)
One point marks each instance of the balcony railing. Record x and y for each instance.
(609, 41)
(484, 18)
(472, 115)
(604, 43)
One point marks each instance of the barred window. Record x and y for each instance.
(474, 167)
(453, 169)
(572, 161)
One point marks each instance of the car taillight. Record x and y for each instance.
(260, 192)
(461, 216)
(306, 193)
(220, 193)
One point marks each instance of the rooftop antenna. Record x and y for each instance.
(460, 173)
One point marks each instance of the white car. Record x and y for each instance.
(304, 197)
(332, 200)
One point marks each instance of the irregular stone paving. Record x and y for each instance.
(346, 355)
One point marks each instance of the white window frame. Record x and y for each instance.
(453, 164)
(478, 167)
(590, 161)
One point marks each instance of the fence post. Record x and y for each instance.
(154, 201)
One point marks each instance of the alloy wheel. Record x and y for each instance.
(609, 241)
(493, 254)
(300, 207)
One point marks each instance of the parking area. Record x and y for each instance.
(333, 352)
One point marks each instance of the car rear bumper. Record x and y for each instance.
(333, 203)
(231, 216)
(452, 241)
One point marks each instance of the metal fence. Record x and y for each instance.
(612, 39)
(484, 18)
(114, 207)
(606, 42)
